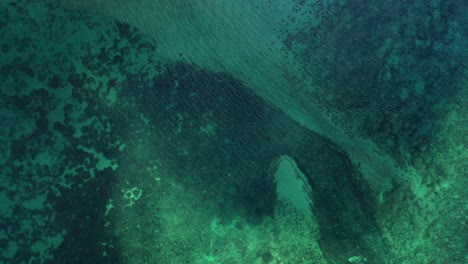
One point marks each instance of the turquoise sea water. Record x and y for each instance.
(216, 131)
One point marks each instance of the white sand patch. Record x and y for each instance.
(291, 185)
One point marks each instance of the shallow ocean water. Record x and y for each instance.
(233, 132)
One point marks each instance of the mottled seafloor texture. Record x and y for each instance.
(147, 131)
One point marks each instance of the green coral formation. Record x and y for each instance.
(396, 75)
